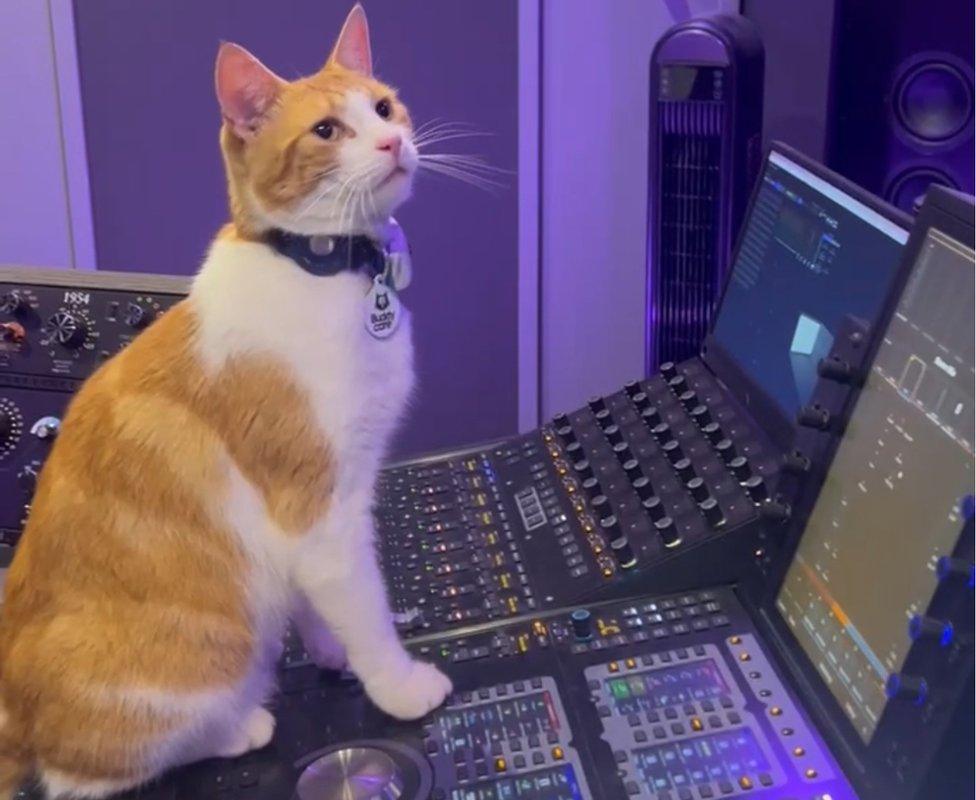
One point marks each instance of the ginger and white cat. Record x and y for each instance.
(216, 477)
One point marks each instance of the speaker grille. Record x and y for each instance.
(933, 101)
(688, 274)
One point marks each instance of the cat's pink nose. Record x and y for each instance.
(392, 144)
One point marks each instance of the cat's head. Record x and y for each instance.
(329, 153)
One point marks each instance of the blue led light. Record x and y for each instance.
(947, 633)
(892, 685)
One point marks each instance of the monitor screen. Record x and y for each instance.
(893, 501)
(809, 254)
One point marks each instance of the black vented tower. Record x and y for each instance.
(705, 147)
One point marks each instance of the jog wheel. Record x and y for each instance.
(365, 771)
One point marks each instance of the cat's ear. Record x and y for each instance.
(246, 89)
(352, 49)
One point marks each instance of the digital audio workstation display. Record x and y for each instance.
(897, 493)
(809, 255)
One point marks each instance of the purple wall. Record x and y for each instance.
(157, 183)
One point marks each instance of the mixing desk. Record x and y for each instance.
(631, 479)
(657, 698)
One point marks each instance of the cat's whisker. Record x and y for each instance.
(446, 136)
(476, 163)
(463, 176)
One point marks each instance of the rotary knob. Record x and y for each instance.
(613, 434)
(672, 450)
(906, 687)
(678, 384)
(601, 505)
(685, 469)
(560, 419)
(936, 630)
(596, 404)
(651, 417)
(632, 388)
(632, 470)
(668, 369)
(582, 622)
(11, 302)
(592, 487)
(740, 468)
(701, 416)
(574, 452)
(69, 330)
(620, 545)
(135, 316)
(713, 432)
(697, 488)
(583, 469)
(622, 451)
(643, 488)
(641, 401)
(565, 433)
(756, 488)
(689, 399)
(6, 427)
(726, 449)
(712, 511)
(603, 418)
(668, 532)
(654, 508)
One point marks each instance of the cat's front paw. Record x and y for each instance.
(410, 696)
(327, 653)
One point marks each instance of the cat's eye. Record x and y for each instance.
(384, 109)
(326, 129)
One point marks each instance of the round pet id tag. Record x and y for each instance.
(382, 309)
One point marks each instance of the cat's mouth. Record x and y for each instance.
(395, 173)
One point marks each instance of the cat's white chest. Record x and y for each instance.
(251, 300)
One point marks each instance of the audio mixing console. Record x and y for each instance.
(630, 481)
(656, 698)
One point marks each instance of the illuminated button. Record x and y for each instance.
(631, 663)
(810, 772)
(500, 765)
(745, 657)
(776, 711)
(557, 753)
(613, 666)
(745, 782)
(799, 751)
(696, 724)
(735, 640)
